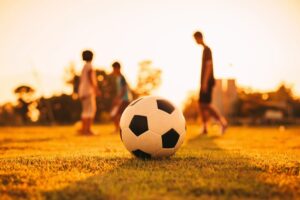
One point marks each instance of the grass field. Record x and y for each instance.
(55, 163)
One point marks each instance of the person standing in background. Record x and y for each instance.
(207, 85)
(88, 90)
(122, 98)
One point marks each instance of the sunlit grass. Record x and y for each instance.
(55, 163)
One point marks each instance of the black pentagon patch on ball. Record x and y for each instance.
(170, 139)
(165, 106)
(138, 124)
(141, 154)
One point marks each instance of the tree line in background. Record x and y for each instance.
(249, 107)
(274, 107)
(65, 108)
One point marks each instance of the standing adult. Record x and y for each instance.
(207, 85)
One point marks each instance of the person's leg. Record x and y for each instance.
(203, 110)
(117, 122)
(83, 126)
(81, 131)
(221, 119)
(87, 116)
(117, 118)
(213, 112)
(83, 117)
(91, 114)
(207, 97)
(88, 126)
(203, 99)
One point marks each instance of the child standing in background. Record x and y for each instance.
(88, 90)
(122, 99)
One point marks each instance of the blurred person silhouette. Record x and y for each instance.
(23, 108)
(207, 84)
(26, 98)
(88, 90)
(123, 95)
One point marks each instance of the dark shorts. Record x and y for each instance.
(206, 97)
(123, 106)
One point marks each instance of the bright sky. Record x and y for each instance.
(259, 38)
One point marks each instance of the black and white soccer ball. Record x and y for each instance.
(152, 127)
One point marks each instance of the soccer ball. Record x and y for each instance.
(152, 127)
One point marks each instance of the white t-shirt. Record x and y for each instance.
(85, 86)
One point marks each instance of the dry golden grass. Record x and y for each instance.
(55, 163)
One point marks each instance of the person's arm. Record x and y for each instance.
(93, 81)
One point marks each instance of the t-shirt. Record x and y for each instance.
(121, 83)
(206, 56)
(85, 86)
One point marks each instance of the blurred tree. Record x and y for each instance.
(255, 104)
(249, 105)
(25, 96)
(283, 93)
(72, 79)
(107, 87)
(148, 79)
(296, 108)
(24, 92)
(191, 109)
(64, 108)
(8, 115)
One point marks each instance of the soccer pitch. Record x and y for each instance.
(56, 163)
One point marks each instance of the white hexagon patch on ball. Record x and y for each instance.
(152, 127)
